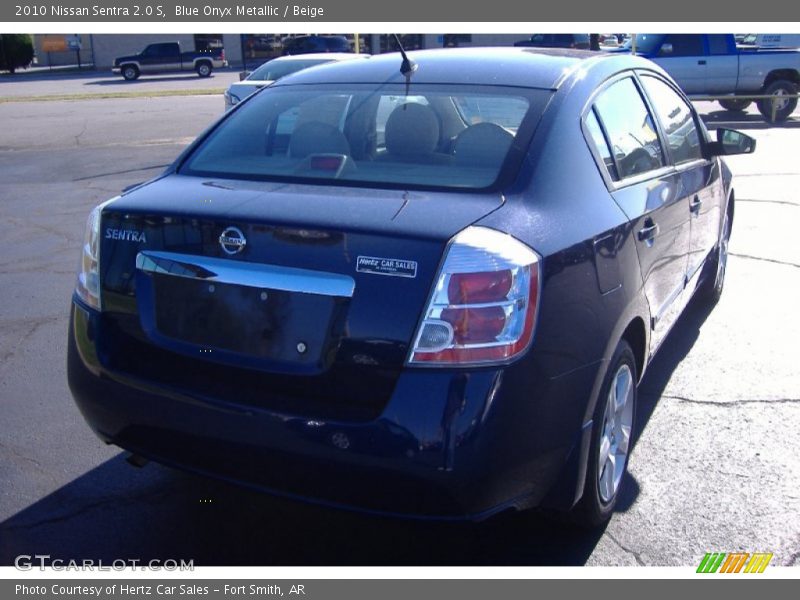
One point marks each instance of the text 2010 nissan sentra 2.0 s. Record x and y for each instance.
(424, 287)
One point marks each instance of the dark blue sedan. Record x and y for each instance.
(424, 287)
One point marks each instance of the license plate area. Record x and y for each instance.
(246, 314)
(266, 323)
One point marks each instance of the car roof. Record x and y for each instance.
(543, 68)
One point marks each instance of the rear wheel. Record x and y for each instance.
(783, 105)
(611, 440)
(203, 69)
(130, 72)
(735, 105)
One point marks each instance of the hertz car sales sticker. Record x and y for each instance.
(386, 266)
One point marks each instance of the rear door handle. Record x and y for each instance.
(694, 207)
(701, 62)
(649, 232)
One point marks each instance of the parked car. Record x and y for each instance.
(166, 57)
(609, 41)
(449, 319)
(307, 44)
(712, 64)
(276, 68)
(557, 40)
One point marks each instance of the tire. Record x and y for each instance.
(714, 281)
(130, 72)
(203, 69)
(783, 108)
(611, 440)
(735, 105)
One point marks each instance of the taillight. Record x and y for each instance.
(483, 306)
(88, 284)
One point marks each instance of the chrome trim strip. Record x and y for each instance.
(220, 270)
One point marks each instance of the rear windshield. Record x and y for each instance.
(431, 136)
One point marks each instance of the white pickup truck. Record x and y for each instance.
(712, 64)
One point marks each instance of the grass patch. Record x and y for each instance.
(111, 95)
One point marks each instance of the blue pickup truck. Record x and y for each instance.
(712, 64)
(165, 57)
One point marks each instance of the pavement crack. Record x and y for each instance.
(782, 202)
(32, 329)
(761, 401)
(633, 553)
(79, 510)
(770, 260)
(78, 137)
(111, 173)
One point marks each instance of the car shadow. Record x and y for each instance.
(115, 511)
(118, 79)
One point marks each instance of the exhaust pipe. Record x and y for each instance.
(136, 461)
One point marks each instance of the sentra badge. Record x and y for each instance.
(386, 266)
(126, 235)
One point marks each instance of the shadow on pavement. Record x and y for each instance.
(117, 512)
(117, 80)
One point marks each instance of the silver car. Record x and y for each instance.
(280, 67)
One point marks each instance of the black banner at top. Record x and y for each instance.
(406, 11)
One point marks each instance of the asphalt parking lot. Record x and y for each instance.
(716, 466)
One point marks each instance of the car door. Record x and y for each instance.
(159, 57)
(169, 56)
(649, 191)
(722, 68)
(699, 176)
(683, 57)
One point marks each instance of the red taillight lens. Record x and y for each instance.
(475, 325)
(472, 288)
(483, 308)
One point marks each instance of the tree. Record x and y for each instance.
(594, 41)
(16, 50)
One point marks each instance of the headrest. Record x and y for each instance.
(482, 145)
(412, 129)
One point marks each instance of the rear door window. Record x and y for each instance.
(718, 44)
(683, 45)
(598, 139)
(631, 131)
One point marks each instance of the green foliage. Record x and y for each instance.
(16, 50)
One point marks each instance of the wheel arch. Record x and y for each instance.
(778, 74)
(633, 330)
(635, 335)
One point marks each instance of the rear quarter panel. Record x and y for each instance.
(561, 207)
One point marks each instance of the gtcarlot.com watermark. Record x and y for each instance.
(28, 562)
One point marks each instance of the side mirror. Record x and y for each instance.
(666, 49)
(730, 141)
(244, 75)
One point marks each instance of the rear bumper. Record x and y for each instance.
(448, 444)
